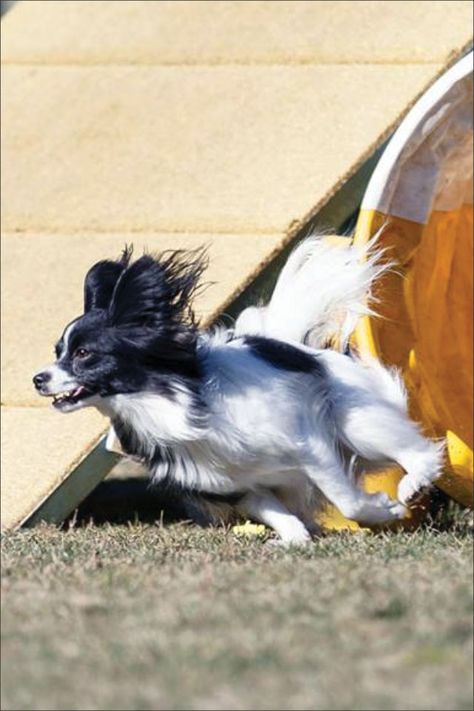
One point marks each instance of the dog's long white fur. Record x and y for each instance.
(322, 292)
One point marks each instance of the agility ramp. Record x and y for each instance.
(172, 125)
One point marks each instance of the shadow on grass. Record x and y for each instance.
(132, 500)
(129, 500)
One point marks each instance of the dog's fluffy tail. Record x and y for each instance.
(322, 291)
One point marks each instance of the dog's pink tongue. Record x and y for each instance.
(79, 391)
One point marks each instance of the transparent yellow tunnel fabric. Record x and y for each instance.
(425, 328)
(419, 199)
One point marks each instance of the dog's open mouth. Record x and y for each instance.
(71, 397)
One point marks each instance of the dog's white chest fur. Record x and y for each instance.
(155, 418)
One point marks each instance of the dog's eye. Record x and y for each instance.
(81, 353)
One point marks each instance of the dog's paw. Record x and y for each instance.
(412, 488)
(380, 500)
(380, 508)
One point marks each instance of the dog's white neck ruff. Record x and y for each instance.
(155, 418)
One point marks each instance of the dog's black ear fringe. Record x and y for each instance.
(157, 290)
(101, 279)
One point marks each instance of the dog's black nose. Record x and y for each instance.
(40, 379)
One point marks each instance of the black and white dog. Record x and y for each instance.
(262, 417)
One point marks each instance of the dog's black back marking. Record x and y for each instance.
(283, 356)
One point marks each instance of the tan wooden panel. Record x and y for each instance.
(240, 32)
(226, 149)
(39, 450)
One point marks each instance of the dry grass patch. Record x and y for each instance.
(177, 617)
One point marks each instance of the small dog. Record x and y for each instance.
(261, 419)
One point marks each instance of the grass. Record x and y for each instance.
(150, 616)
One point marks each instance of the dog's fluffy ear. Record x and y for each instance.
(156, 291)
(101, 280)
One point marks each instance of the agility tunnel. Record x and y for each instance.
(420, 198)
(419, 201)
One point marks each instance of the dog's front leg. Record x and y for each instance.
(267, 509)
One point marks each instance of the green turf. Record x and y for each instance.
(176, 617)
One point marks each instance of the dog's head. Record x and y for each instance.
(137, 329)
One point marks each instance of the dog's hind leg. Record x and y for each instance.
(380, 432)
(267, 509)
(423, 463)
(327, 472)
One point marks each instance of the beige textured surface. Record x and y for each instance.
(240, 32)
(174, 123)
(226, 149)
(39, 448)
(42, 289)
